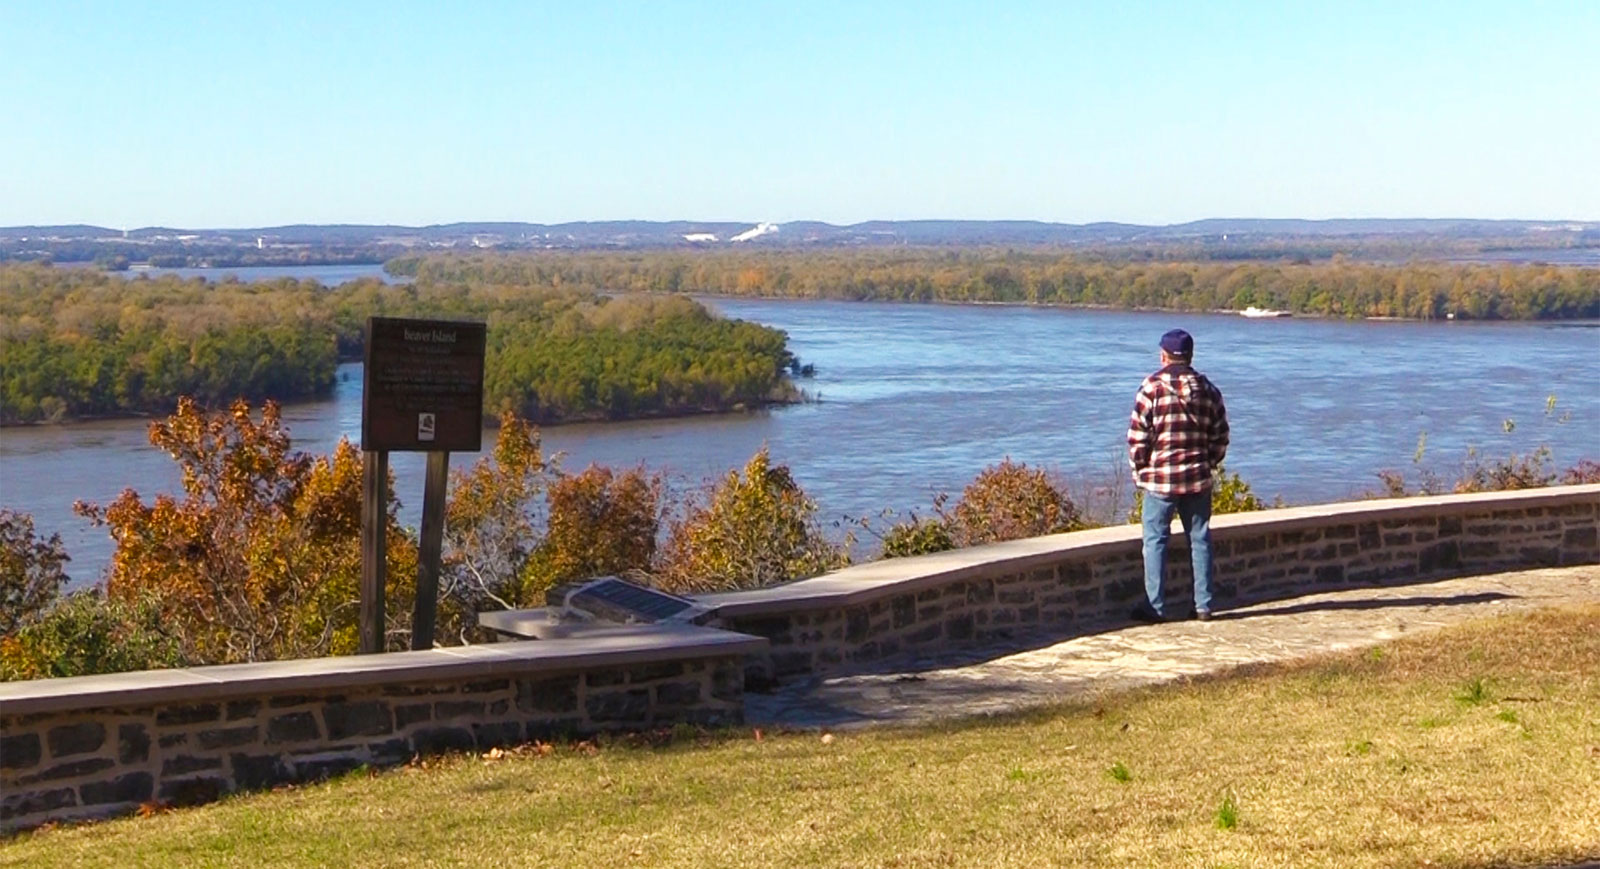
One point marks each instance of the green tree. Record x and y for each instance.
(1230, 493)
(87, 633)
(752, 529)
(916, 536)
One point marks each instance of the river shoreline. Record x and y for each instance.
(490, 421)
(1119, 309)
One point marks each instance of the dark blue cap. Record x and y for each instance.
(1178, 343)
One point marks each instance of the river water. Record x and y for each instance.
(915, 399)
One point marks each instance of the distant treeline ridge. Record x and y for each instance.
(1336, 289)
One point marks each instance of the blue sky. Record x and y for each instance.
(244, 114)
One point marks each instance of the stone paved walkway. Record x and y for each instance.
(1001, 678)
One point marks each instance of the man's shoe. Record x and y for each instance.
(1147, 614)
(1203, 615)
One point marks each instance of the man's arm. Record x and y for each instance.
(1217, 437)
(1139, 432)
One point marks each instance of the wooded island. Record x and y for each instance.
(78, 343)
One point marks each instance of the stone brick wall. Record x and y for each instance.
(95, 761)
(1090, 580)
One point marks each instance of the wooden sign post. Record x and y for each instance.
(374, 547)
(422, 391)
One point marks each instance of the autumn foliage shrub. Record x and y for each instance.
(31, 574)
(1231, 494)
(751, 529)
(260, 559)
(1009, 501)
(1006, 501)
(44, 635)
(1487, 471)
(491, 526)
(1529, 471)
(600, 522)
(1585, 471)
(1480, 473)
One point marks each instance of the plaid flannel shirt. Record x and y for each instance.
(1178, 433)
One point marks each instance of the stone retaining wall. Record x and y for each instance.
(1074, 583)
(64, 758)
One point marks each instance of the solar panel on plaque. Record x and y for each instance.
(644, 601)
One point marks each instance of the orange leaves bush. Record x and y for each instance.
(1009, 501)
(1006, 501)
(260, 559)
(600, 522)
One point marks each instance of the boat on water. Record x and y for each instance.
(1253, 311)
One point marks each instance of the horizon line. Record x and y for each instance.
(1324, 220)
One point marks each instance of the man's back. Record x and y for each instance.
(1178, 432)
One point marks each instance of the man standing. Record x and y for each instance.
(1177, 437)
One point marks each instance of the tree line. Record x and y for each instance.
(1337, 288)
(77, 343)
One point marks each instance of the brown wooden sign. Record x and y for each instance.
(423, 386)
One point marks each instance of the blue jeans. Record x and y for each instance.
(1195, 512)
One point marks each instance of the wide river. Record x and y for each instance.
(915, 399)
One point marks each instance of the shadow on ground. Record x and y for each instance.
(1370, 604)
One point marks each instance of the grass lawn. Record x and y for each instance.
(1475, 746)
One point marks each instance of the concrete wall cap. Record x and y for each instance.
(619, 646)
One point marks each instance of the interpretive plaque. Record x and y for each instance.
(423, 386)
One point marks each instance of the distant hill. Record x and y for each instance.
(655, 234)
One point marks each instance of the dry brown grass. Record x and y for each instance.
(1474, 746)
